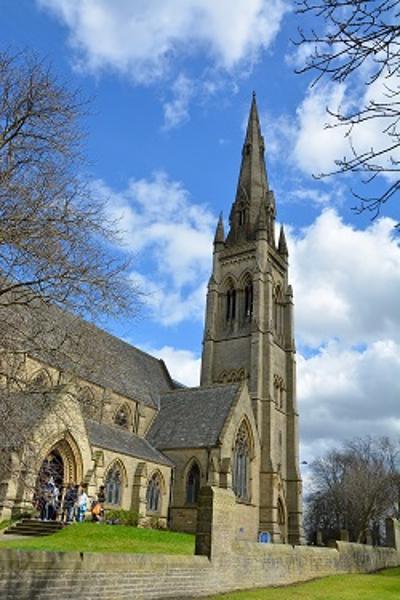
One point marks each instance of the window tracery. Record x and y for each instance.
(279, 391)
(113, 485)
(122, 417)
(193, 484)
(248, 300)
(154, 493)
(278, 310)
(230, 304)
(241, 464)
(87, 400)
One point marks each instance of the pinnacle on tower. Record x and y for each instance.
(219, 232)
(282, 244)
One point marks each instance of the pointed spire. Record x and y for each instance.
(282, 244)
(219, 232)
(252, 189)
(253, 171)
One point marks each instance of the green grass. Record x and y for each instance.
(5, 524)
(92, 537)
(384, 585)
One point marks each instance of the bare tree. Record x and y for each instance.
(354, 488)
(58, 258)
(54, 233)
(358, 41)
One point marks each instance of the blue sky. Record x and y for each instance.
(171, 83)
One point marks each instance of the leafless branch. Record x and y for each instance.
(360, 38)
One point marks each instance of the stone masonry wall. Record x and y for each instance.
(62, 576)
(223, 563)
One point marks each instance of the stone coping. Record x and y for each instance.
(12, 559)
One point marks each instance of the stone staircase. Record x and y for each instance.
(34, 527)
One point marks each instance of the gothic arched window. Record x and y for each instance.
(87, 401)
(248, 300)
(230, 304)
(113, 485)
(122, 417)
(241, 464)
(278, 310)
(193, 484)
(136, 421)
(154, 493)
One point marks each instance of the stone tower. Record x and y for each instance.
(249, 334)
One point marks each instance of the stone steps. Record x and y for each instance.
(32, 527)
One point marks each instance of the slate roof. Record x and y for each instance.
(114, 438)
(71, 344)
(20, 412)
(192, 417)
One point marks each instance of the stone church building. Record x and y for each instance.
(124, 423)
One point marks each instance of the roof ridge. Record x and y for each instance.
(201, 387)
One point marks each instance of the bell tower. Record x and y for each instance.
(249, 334)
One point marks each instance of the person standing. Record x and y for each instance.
(49, 495)
(70, 499)
(101, 498)
(82, 504)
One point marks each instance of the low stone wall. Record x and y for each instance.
(222, 564)
(62, 576)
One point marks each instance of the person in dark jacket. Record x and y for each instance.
(70, 498)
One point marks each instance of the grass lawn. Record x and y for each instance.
(92, 537)
(384, 585)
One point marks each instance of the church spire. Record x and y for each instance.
(252, 171)
(219, 237)
(253, 194)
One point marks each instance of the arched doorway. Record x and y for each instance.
(53, 468)
(63, 463)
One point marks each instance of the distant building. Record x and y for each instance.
(122, 422)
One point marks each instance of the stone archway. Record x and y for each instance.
(63, 462)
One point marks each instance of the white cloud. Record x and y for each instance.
(317, 197)
(176, 111)
(281, 131)
(346, 281)
(173, 237)
(144, 39)
(318, 144)
(171, 304)
(346, 290)
(344, 393)
(183, 365)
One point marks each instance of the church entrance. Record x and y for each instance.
(62, 465)
(52, 468)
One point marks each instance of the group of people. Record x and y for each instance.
(71, 505)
